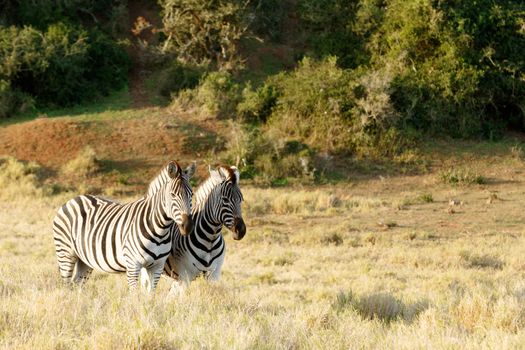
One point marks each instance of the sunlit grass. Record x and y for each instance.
(379, 265)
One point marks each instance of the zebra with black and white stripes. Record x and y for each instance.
(95, 233)
(217, 202)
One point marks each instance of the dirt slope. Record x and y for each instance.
(143, 141)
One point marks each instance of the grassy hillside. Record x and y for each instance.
(403, 262)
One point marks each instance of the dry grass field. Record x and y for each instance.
(406, 262)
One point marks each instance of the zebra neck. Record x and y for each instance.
(156, 218)
(206, 226)
(206, 216)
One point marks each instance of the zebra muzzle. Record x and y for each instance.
(187, 225)
(239, 229)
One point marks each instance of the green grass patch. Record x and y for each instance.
(116, 101)
(458, 176)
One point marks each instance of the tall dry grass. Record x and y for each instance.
(324, 268)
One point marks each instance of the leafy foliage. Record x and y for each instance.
(330, 24)
(177, 77)
(258, 105)
(372, 76)
(42, 13)
(63, 65)
(203, 31)
(268, 18)
(314, 105)
(450, 74)
(48, 60)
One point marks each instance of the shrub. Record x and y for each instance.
(457, 64)
(269, 18)
(217, 92)
(494, 45)
(425, 198)
(269, 158)
(317, 108)
(258, 105)
(336, 111)
(314, 104)
(42, 13)
(330, 28)
(84, 165)
(63, 65)
(12, 101)
(108, 64)
(204, 31)
(458, 176)
(19, 178)
(177, 77)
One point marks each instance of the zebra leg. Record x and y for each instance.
(66, 257)
(215, 275)
(132, 275)
(153, 275)
(180, 284)
(66, 265)
(144, 279)
(82, 272)
(66, 261)
(177, 289)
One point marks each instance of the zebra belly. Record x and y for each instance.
(153, 252)
(101, 256)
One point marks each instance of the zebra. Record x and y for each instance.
(217, 203)
(95, 233)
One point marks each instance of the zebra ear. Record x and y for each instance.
(224, 173)
(190, 170)
(236, 172)
(173, 169)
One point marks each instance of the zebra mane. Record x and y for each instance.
(212, 182)
(159, 180)
(206, 188)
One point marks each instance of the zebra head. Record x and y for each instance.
(231, 199)
(178, 196)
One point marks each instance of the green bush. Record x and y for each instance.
(63, 65)
(108, 64)
(265, 156)
(42, 13)
(12, 101)
(317, 108)
(496, 34)
(459, 176)
(257, 105)
(177, 77)
(314, 105)
(269, 18)
(340, 28)
(458, 64)
(217, 92)
(456, 68)
(201, 32)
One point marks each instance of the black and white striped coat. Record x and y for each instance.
(217, 203)
(95, 233)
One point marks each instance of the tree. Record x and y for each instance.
(201, 31)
